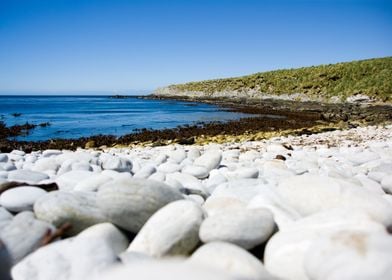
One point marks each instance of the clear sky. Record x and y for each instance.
(109, 45)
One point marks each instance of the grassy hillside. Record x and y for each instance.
(372, 77)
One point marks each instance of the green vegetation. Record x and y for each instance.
(372, 77)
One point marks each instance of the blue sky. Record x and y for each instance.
(66, 45)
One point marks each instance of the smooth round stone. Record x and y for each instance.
(92, 184)
(77, 208)
(45, 164)
(244, 173)
(129, 257)
(268, 198)
(196, 198)
(3, 158)
(160, 159)
(276, 169)
(362, 157)
(7, 166)
(246, 228)
(68, 180)
(82, 166)
(369, 184)
(215, 179)
(169, 167)
(247, 156)
(21, 198)
(5, 263)
(145, 172)
(210, 159)
(172, 230)
(50, 153)
(165, 270)
(199, 172)
(27, 176)
(177, 156)
(232, 259)
(242, 189)
(129, 203)
(117, 163)
(85, 256)
(24, 234)
(5, 218)
(186, 181)
(193, 153)
(386, 184)
(158, 176)
(350, 255)
(287, 247)
(309, 194)
(215, 205)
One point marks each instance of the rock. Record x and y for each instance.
(5, 218)
(20, 198)
(193, 153)
(232, 259)
(210, 159)
(172, 230)
(129, 257)
(215, 205)
(215, 179)
(177, 156)
(186, 181)
(350, 255)
(50, 153)
(158, 176)
(117, 164)
(244, 173)
(7, 166)
(24, 234)
(386, 184)
(165, 270)
(199, 172)
(309, 194)
(81, 166)
(242, 189)
(68, 180)
(85, 256)
(287, 247)
(246, 228)
(5, 263)
(92, 183)
(3, 158)
(268, 198)
(169, 167)
(77, 208)
(45, 164)
(129, 203)
(145, 172)
(27, 176)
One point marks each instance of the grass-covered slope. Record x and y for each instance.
(372, 77)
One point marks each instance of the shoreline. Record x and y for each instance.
(271, 118)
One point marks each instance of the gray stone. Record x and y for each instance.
(129, 203)
(210, 159)
(21, 198)
(24, 234)
(85, 256)
(246, 228)
(172, 230)
(27, 176)
(232, 259)
(77, 208)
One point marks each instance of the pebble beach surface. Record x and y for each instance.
(305, 207)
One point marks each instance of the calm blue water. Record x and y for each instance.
(77, 116)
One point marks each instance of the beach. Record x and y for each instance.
(278, 208)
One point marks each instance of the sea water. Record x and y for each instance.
(79, 116)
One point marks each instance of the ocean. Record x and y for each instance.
(79, 116)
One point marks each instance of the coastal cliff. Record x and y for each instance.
(358, 81)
